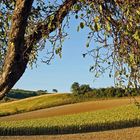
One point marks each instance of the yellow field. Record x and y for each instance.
(73, 118)
(34, 103)
(68, 109)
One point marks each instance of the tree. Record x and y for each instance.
(84, 89)
(80, 89)
(55, 90)
(41, 92)
(75, 88)
(26, 25)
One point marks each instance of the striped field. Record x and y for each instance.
(115, 118)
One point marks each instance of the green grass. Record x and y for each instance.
(34, 103)
(120, 117)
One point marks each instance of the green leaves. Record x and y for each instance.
(87, 44)
(82, 25)
(59, 51)
(108, 26)
(76, 16)
(77, 7)
(137, 35)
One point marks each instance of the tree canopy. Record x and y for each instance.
(25, 26)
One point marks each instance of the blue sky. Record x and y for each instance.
(72, 67)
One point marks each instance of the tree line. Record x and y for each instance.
(87, 91)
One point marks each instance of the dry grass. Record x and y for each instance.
(69, 109)
(34, 103)
(122, 134)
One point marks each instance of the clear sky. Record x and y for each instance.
(72, 67)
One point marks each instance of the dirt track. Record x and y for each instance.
(69, 109)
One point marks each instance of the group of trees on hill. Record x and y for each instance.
(16, 94)
(80, 89)
(87, 91)
(21, 94)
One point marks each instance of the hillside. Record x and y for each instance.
(68, 109)
(44, 101)
(34, 103)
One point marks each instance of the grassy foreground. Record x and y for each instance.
(120, 117)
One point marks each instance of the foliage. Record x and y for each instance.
(114, 25)
(75, 87)
(120, 117)
(41, 13)
(80, 89)
(86, 91)
(21, 94)
(16, 94)
(112, 92)
(55, 90)
(41, 92)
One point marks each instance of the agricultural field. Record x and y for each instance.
(53, 100)
(35, 103)
(70, 109)
(76, 121)
(120, 134)
(115, 118)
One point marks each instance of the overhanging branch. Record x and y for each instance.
(50, 24)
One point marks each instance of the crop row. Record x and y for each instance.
(121, 117)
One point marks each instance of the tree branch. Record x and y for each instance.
(50, 24)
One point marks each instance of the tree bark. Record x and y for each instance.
(15, 63)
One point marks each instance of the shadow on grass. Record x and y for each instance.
(57, 130)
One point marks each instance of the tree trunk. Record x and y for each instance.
(15, 61)
(13, 70)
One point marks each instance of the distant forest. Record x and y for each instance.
(87, 91)
(81, 91)
(16, 94)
